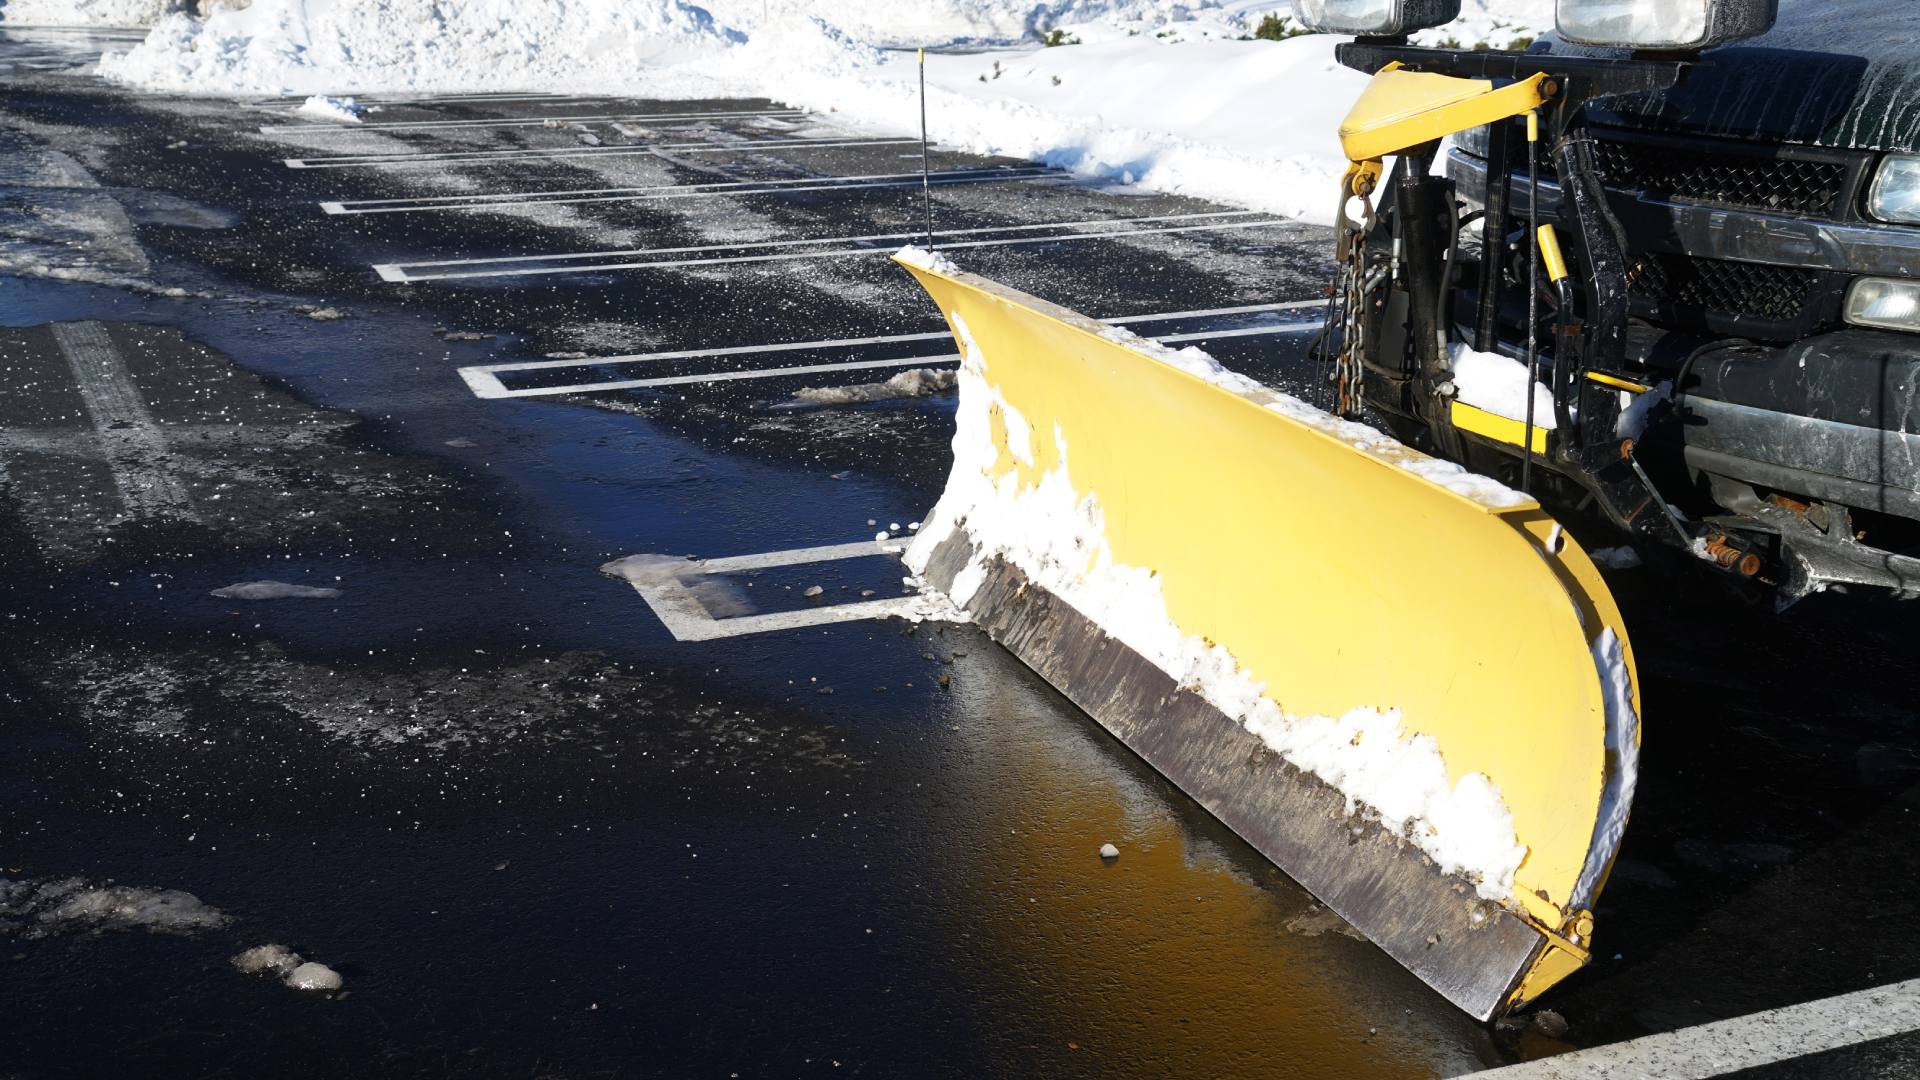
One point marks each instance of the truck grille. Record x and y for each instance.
(1791, 185)
(1773, 294)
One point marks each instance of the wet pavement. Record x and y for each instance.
(534, 832)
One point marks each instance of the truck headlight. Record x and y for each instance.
(1375, 18)
(1896, 191)
(1662, 24)
(1886, 303)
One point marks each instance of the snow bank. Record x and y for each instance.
(83, 12)
(1162, 95)
(939, 22)
(327, 46)
(1058, 539)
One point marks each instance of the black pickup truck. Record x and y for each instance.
(1770, 205)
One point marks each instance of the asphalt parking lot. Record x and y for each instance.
(436, 370)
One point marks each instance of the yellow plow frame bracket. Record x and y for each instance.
(1402, 109)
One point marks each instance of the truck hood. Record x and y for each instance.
(1838, 73)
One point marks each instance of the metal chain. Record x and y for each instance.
(1347, 300)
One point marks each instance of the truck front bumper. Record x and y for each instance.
(1835, 417)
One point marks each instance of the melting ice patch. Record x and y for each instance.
(1057, 539)
(40, 909)
(274, 590)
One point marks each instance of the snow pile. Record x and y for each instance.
(340, 111)
(37, 909)
(1161, 95)
(325, 46)
(1498, 384)
(1500, 24)
(926, 260)
(83, 12)
(1058, 539)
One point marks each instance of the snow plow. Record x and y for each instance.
(1370, 650)
(1438, 745)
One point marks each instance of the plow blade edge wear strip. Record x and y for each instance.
(1400, 682)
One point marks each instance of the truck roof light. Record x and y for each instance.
(1682, 25)
(1374, 18)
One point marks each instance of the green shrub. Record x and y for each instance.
(1058, 37)
(1277, 28)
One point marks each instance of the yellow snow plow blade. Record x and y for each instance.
(1402, 683)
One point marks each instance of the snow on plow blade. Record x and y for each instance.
(1400, 682)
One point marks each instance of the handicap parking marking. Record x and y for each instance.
(1747, 1042)
(635, 119)
(949, 177)
(485, 157)
(580, 262)
(670, 586)
(484, 379)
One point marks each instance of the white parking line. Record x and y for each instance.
(484, 379)
(293, 101)
(889, 339)
(1103, 228)
(692, 191)
(669, 587)
(1748, 1042)
(484, 157)
(323, 126)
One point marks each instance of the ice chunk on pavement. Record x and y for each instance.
(72, 906)
(912, 383)
(267, 960)
(274, 590)
(338, 110)
(1108, 851)
(315, 977)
